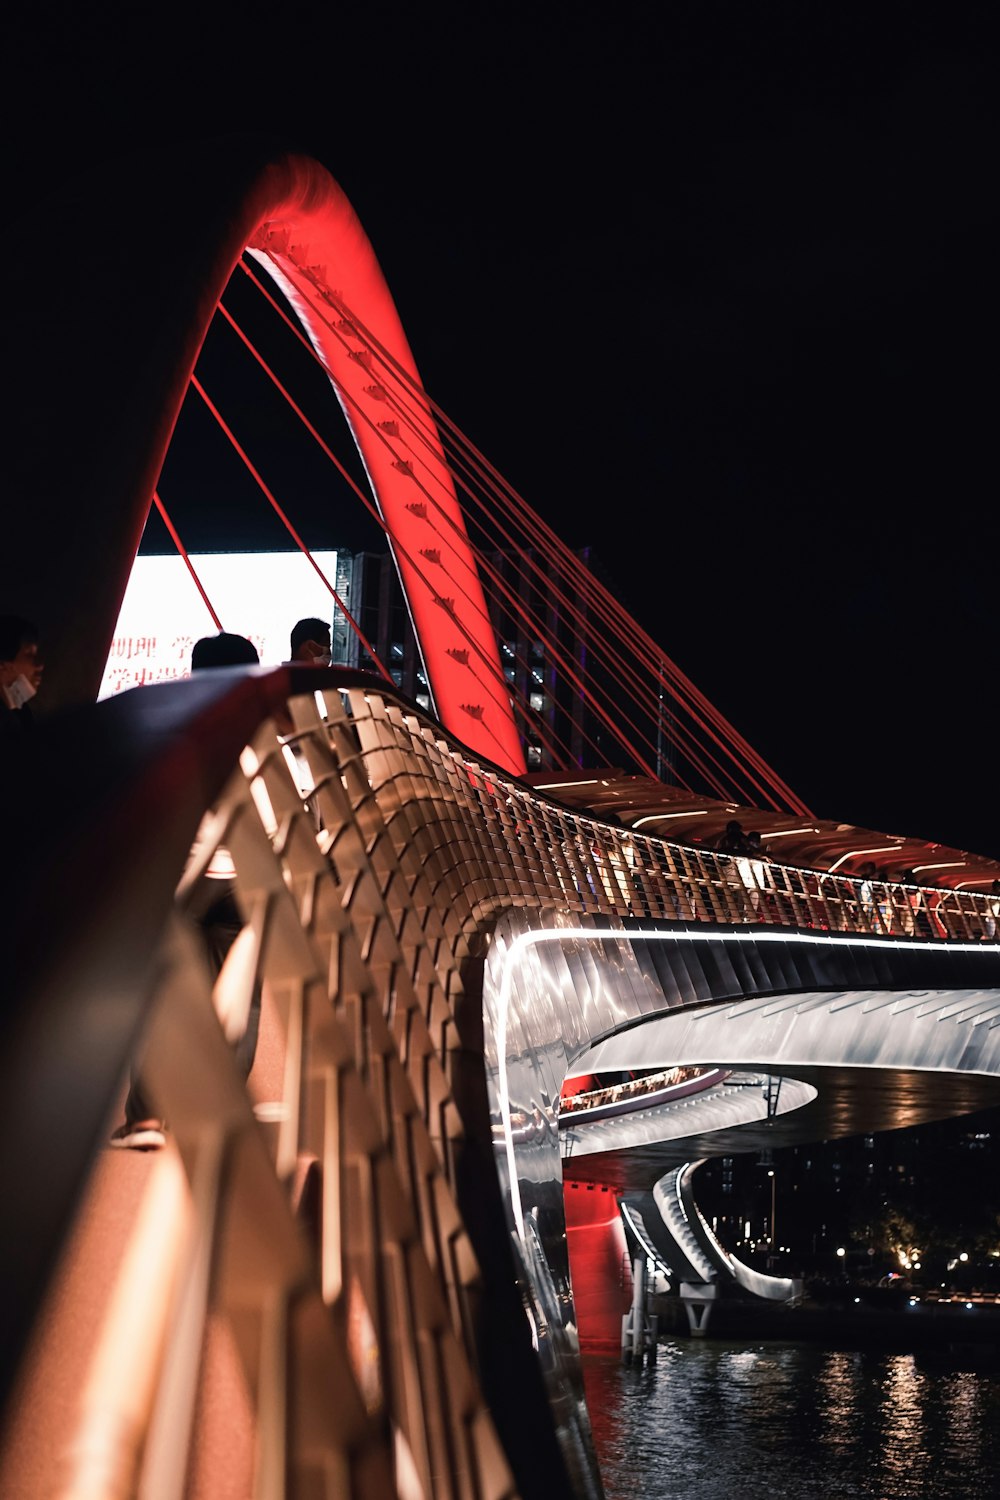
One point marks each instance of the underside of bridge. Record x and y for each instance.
(847, 1102)
(863, 1033)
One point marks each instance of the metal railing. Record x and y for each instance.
(371, 858)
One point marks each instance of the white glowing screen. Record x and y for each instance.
(256, 594)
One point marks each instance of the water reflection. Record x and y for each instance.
(904, 1423)
(793, 1422)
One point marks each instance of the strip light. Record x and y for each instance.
(662, 817)
(786, 833)
(851, 853)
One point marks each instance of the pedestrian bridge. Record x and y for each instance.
(350, 1275)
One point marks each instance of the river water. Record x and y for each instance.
(794, 1422)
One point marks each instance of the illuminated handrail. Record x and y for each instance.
(372, 857)
(582, 865)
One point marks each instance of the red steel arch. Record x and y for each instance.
(132, 267)
(314, 226)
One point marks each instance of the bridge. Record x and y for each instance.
(349, 1273)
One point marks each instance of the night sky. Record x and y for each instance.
(713, 287)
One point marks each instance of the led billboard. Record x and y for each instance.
(256, 594)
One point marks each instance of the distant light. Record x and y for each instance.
(857, 1299)
(841, 1250)
(963, 1256)
(913, 1301)
(969, 1306)
(786, 833)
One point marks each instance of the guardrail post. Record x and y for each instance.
(639, 1328)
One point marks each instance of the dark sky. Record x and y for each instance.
(712, 286)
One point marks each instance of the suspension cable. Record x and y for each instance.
(349, 479)
(669, 674)
(196, 383)
(622, 628)
(175, 538)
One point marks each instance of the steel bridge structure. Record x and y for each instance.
(348, 1275)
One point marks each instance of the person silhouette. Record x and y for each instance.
(21, 668)
(310, 642)
(213, 904)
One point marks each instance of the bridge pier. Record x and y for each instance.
(698, 1298)
(640, 1328)
(597, 1254)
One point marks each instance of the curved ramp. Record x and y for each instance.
(676, 1215)
(677, 1198)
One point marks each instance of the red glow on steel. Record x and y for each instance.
(633, 643)
(595, 1239)
(419, 428)
(496, 691)
(315, 227)
(581, 1083)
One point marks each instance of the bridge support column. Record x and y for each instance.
(639, 1327)
(698, 1297)
(597, 1255)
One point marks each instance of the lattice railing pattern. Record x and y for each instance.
(371, 859)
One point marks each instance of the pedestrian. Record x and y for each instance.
(310, 643)
(213, 905)
(21, 668)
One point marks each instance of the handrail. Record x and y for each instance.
(113, 796)
(150, 763)
(631, 1094)
(669, 1200)
(372, 854)
(636, 1224)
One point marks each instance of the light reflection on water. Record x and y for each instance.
(794, 1422)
